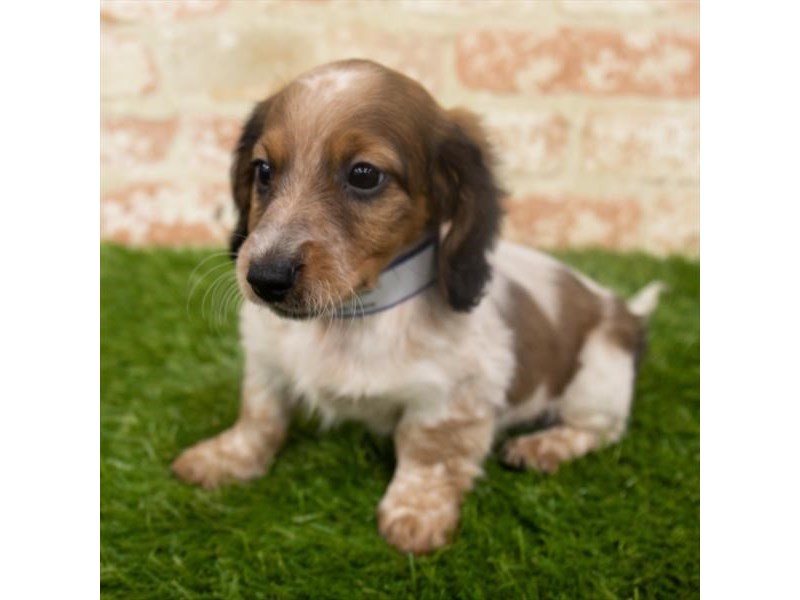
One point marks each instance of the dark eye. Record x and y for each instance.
(363, 176)
(263, 173)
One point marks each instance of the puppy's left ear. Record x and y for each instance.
(469, 200)
(242, 174)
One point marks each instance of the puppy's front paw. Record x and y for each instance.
(231, 456)
(419, 523)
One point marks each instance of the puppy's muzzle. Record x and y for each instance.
(273, 278)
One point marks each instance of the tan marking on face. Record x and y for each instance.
(386, 224)
(355, 145)
(547, 353)
(272, 147)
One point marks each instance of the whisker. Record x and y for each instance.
(319, 304)
(225, 292)
(200, 280)
(330, 302)
(360, 303)
(219, 299)
(227, 299)
(358, 310)
(358, 313)
(206, 259)
(214, 285)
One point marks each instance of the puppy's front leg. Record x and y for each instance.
(244, 451)
(436, 465)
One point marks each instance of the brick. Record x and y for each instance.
(628, 8)
(570, 60)
(167, 214)
(149, 11)
(653, 145)
(212, 140)
(560, 222)
(603, 171)
(530, 143)
(471, 7)
(126, 67)
(181, 234)
(245, 62)
(671, 223)
(129, 141)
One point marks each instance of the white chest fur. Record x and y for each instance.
(372, 369)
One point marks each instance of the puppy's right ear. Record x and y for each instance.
(242, 173)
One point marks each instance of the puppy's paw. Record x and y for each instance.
(546, 450)
(419, 526)
(532, 453)
(230, 456)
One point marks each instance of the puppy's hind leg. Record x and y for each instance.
(546, 450)
(593, 410)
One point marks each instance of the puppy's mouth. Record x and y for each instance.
(299, 306)
(297, 314)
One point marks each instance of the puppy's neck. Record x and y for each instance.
(411, 273)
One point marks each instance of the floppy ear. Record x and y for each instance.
(242, 174)
(468, 197)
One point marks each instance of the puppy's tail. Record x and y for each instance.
(644, 302)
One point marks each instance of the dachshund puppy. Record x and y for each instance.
(375, 291)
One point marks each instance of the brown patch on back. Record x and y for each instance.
(546, 352)
(534, 343)
(581, 311)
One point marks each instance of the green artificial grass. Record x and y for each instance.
(620, 523)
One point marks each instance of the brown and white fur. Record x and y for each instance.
(507, 336)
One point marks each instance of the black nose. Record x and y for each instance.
(273, 279)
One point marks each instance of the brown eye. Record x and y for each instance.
(263, 173)
(365, 177)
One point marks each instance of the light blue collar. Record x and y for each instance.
(410, 274)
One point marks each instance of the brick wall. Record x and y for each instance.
(593, 105)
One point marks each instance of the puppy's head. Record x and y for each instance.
(335, 174)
